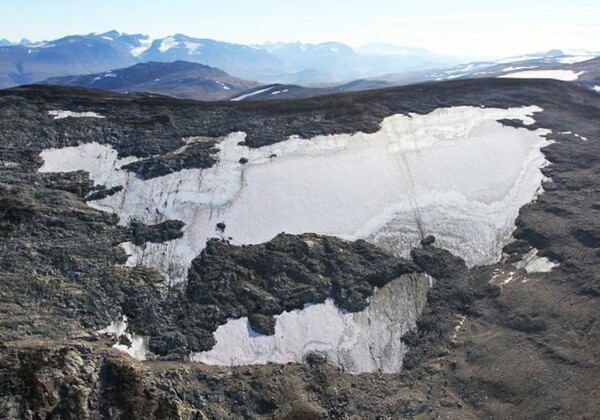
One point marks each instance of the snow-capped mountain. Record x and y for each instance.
(331, 62)
(78, 54)
(179, 79)
(239, 60)
(321, 65)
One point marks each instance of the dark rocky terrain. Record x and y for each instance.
(179, 79)
(528, 349)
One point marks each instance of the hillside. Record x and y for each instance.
(178, 79)
(440, 255)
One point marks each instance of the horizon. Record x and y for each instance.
(500, 31)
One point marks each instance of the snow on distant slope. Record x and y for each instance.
(247, 95)
(420, 174)
(575, 59)
(566, 75)
(517, 59)
(167, 43)
(144, 44)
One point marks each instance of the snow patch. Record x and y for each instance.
(223, 85)
(575, 59)
(596, 88)
(247, 95)
(117, 329)
(60, 114)
(366, 341)
(532, 263)
(565, 75)
(460, 320)
(145, 43)
(501, 277)
(419, 174)
(511, 68)
(192, 46)
(517, 59)
(167, 43)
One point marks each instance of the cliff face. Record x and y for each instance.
(489, 341)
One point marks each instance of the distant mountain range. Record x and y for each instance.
(206, 69)
(26, 62)
(196, 81)
(179, 79)
(579, 67)
(549, 60)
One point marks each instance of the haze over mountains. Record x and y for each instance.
(205, 69)
(24, 62)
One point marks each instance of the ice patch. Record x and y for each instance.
(60, 114)
(532, 263)
(566, 75)
(117, 329)
(366, 341)
(455, 173)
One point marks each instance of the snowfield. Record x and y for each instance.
(566, 75)
(60, 114)
(455, 173)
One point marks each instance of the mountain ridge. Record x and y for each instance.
(179, 79)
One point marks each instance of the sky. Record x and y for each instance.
(456, 27)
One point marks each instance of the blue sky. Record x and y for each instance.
(461, 27)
